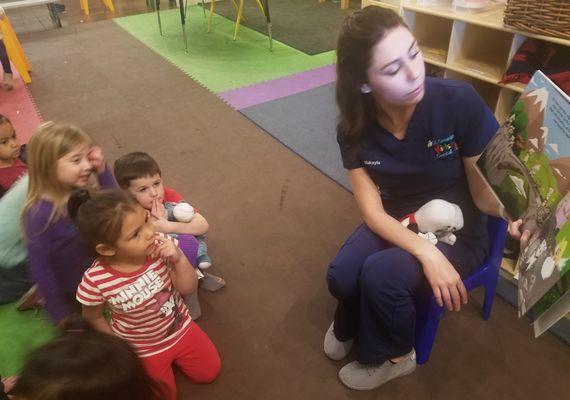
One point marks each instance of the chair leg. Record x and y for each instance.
(238, 19)
(490, 290)
(235, 5)
(426, 330)
(211, 16)
(344, 4)
(109, 5)
(260, 6)
(84, 6)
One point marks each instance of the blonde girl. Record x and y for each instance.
(60, 158)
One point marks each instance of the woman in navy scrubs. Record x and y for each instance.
(405, 139)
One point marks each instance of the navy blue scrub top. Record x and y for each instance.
(451, 122)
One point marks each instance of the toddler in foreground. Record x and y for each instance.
(139, 276)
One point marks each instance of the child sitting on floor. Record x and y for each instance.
(60, 158)
(139, 276)
(140, 174)
(81, 364)
(12, 166)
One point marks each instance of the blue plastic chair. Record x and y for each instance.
(429, 313)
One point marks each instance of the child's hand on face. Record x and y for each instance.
(96, 159)
(158, 216)
(158, 210)
(165, 248)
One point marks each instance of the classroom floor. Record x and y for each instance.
(276, 222)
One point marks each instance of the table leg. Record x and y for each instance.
(182, 6)
(269, 26)
(157, 6)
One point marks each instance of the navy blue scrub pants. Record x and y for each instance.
(376, 283)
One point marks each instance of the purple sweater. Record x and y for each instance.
(57, 257)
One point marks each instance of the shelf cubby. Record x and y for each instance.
(471, 46)
(432, 33)
(478, 49)
(505, 103)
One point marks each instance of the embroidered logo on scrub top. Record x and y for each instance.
(443, 147)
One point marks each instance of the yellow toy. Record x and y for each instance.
(14, 48)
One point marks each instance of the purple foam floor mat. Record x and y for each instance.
(278, 88)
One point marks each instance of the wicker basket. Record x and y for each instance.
(545, 17)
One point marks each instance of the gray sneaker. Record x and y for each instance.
(334, 348)
(211, 283)
(365, 377)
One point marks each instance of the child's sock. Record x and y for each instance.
(204, 262)
(203, 259)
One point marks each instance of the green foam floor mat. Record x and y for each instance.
(20, 333)
(214, 59)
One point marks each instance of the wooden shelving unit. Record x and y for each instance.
(471, 46)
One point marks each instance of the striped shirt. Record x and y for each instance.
(145, 308)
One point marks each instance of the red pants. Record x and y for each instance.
(194, 354)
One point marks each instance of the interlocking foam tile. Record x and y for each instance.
(278, 88)
(18, 105)
(214, 59)
(21, 332)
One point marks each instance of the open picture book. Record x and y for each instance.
(527, 164)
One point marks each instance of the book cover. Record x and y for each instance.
(527, 164)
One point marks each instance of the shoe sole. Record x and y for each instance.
(354, 387)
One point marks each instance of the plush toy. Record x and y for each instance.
(436, 221)
(184, 212)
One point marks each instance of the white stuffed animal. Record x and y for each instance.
(436, 220)
(183, 212)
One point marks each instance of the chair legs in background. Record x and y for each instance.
(85, 6)
(239, 17)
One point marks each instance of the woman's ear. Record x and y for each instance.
(365, 89)
(105, 250)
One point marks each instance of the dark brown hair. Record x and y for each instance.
(359, 33)
(99, 217)
(84, 364)
(133, 166)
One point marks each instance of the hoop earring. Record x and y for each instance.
(365, 89)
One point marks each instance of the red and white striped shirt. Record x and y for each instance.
(145, 308)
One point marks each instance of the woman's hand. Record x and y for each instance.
(515, 232)
(95, 156)
(444, 280)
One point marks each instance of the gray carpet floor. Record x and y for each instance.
(306, 123)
